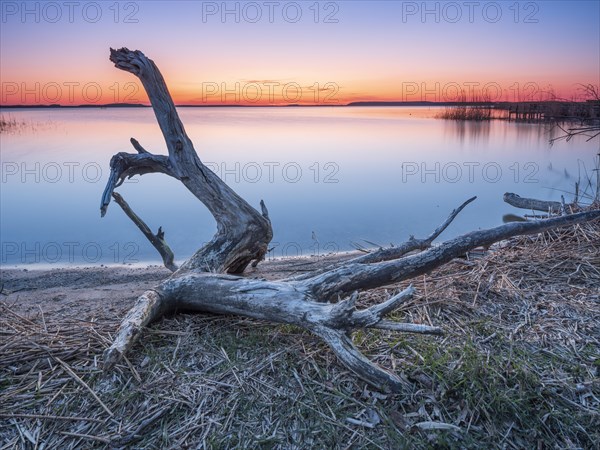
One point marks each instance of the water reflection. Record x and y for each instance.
(474, 131)
(344, 174)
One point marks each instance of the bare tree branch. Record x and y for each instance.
(243, 234)
(387, 254)
(157, 240)
(412, 244)
(532, 204)
(126, 165)
(353, 276)
(202, 283)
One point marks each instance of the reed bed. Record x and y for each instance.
(9, 124)
(467, 112)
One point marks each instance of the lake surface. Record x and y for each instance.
(346, 174)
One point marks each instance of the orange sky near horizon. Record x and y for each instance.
(213, 53)
(128, 89)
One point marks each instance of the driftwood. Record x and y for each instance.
(157, 240)
(205, 283)
(533, 204)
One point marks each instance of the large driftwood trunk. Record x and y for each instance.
(205, 282)
(242, 233)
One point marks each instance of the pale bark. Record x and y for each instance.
(353, 276)
(533, 204)
(390, 253)
(157, 240)
(311, 302)
(243, 233)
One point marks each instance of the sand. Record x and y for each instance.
(86, 292)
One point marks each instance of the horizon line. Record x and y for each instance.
(350, 104)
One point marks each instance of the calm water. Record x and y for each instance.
(345, 174)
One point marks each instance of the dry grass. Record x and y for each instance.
(518, 368)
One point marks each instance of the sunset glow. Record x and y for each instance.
(328, 53)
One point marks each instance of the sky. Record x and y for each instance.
(304, 52)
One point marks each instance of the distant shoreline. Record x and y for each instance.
(138, 105)
(351, 104)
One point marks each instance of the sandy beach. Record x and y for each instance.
(87, 291)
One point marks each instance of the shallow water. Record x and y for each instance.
(346, 174)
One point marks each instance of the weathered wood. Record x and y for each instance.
(353, 276)
(413, 243)
(148, 307)
(309, 302)
(126, 165)
(157, 240)
(391, 253)
(303, 303)
(532, 204)
(243, 233)
(275, 302)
